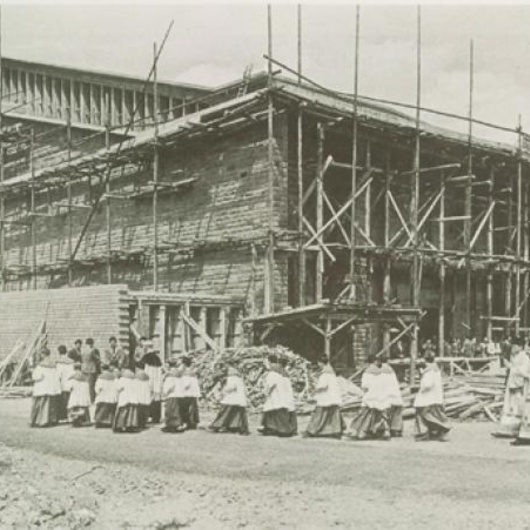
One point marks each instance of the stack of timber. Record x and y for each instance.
(210, 366)
(15, 369)
(473, 396)
(478, 396)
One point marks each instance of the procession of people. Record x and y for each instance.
(127, 393)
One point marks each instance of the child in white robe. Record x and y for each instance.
(232, 416)
(372, 421)
(326, 420)
(191, 392)
(143, 394)
(429, 404)
(126, 419)
(288, 395)
(172, 392)
(65, 368)
(79, 400)
(106, 398)
(46, 392)
(395, 401)
(276, 418)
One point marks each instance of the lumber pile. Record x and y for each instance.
(16, 367)
(210, 366)
(469, 396)
(478, 396)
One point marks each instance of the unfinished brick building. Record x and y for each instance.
(215, 208)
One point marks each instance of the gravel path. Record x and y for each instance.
(95, 479)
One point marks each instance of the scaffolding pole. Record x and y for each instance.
(414, 203)
(300, 176)
(525, 252)
(354, 154)
(33, 227)
(320, 211)
(108, 212)
(509, 274)
(156, 161)
(269, 265)
(441, 246)
(69, 190)
(386, 237)
(2, 176)
(490, 251)
(519, 221)
(469, 193)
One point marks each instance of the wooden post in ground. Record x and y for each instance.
(320, 210)
(69, 186)
(414, 204)
(269, 264)
(300, 175)
(108, 211)
(441, 271)
(2, 164)
(518, 229)
(33, 227)
(354, 156)
(386, 238)
(156, 155)
(490, 252)
(508, 280)
(468, 196)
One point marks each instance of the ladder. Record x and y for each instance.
(243, 87)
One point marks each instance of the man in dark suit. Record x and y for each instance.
(115, 355)
(90, 360)
(75, 352)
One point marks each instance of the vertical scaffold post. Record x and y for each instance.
(33, 228)
(469, 197)
(108, 211)
(386, 237)
(354, 154)
(69, 188)
(300, 176)
(518, 230)
(269, 266)
(156, 161)
(490, 251)
(320, 211)
(441, 246)
(2, 197)
(415, 196)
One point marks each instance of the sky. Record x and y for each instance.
(211, 44)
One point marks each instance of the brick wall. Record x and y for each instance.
(96, 312)
(227, 203)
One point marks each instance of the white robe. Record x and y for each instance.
(328, 390)
(234, 392)
(64, 371)
(172, 387)
(46, 381)
(273, 390)
(392, 388)
(79, 394)
(143, 391)
(190, 386)
(106, 390)
(431, 388)
(375, 388)
(127, 394)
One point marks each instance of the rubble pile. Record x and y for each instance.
(210, 367)
(471, 396)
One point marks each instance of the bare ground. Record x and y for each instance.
(68, 478)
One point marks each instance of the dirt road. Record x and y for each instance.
(200, 480)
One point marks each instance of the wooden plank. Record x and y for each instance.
(200, 331)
